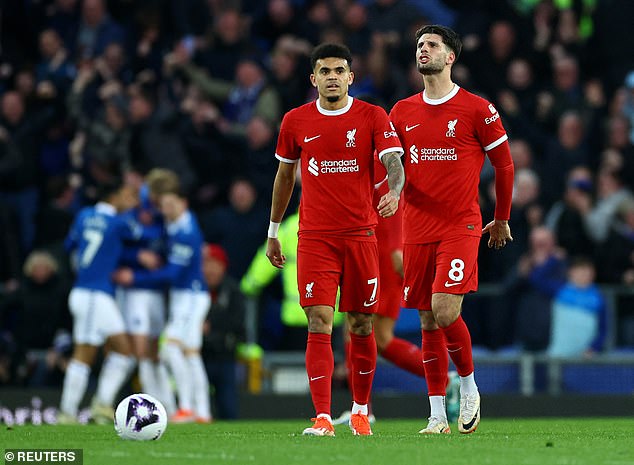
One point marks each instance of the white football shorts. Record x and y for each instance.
(187, 312)
(143, 311)
(95, 316)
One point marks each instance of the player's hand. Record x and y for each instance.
(388, 204)
(148, 259)
(274, 253)
(499, 233)
(123, 277)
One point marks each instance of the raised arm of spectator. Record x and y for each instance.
(217, 89)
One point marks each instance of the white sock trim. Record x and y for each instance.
(359, 408)
(468, 384)
(437, 405)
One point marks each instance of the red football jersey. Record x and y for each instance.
(388, 239)
(336, 149)
(445, 142)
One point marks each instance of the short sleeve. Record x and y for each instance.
(287, 150)
(489, 129)
(385, 137)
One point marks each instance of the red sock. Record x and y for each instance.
(320, 364)
(459, 346)
(346, 350)
(363, 358)
(435, 362)
(405, 355)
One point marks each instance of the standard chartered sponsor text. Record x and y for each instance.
(437, 153)
(338, 166)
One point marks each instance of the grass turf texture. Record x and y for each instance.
(552, 441)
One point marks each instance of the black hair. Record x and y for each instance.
(107, 189)
(330, 51)
(449, 37)
(580, 260)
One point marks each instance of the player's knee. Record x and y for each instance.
(318, 324)
(319, 320)
(360, 324)
(362, 329)
(120, 343)
(445, 318)
(427, 321)
(140, 351)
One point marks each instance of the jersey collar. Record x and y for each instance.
(180, 222)
(341, 111)
(105, 208)
(446, 98)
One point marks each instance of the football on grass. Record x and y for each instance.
(140, 417)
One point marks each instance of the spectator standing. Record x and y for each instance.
(43, 296)
(96, 30)
(155, 140)
(223, 330)
(531, 287)
(565, 217)
(238, 226)
(579, 317)
(21, 134)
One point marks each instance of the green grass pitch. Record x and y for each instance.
(570, 441)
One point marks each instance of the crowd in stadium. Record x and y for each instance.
(93, 88)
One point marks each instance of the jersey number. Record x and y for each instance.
(456, 273)
(94, 239)
(374, 282)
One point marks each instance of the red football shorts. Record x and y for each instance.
(326, 263)
(448, 267)
(391, 287)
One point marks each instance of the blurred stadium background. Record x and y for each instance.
(89, 88)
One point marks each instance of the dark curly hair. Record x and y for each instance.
(449, 37)
(330, 51)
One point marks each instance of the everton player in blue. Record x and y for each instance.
(97, 237)
(188, 301)
(143, 306)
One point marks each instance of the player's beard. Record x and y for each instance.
(333, 98)
(431, 67)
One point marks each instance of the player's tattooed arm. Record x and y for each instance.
(395, 180)
(395, 172)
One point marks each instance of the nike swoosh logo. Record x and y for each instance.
(448, 284)
(317, 377)
(365, 372)
(430, 360)
(455, 350)
(365, 304)
(409, 128)
(308, 139)
(469, 425)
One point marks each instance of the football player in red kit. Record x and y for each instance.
(446, 133)
(335, 139)
(396, 350)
